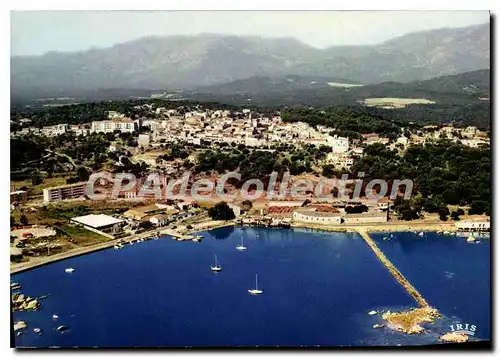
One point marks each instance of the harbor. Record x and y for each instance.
(187, 267)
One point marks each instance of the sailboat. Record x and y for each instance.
(241, 247)
(256, 290)
(217, 267)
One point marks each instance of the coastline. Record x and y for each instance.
(380, 227)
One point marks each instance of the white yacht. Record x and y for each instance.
(217, 267)
(256, 290)
(241, 247)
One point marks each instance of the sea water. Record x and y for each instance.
(452, 274)
(318, 288)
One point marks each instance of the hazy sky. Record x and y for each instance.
(37, 32)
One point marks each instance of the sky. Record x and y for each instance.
(38, 32)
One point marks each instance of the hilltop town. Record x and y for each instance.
(52, 213)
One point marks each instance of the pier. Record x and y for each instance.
(176, 234)
(393, 270)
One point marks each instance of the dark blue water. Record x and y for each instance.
(318, 288)
(452, 275)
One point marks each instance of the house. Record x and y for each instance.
(341, 161)
(160, 219)
(19, 196)
(115, 115)
(383, 204)
(184, 215)
(142, 212)
(79, 129)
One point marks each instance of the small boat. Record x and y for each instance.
(421, 233)
(385, 238)
(471, 239)
(241, 247)
(13, 284)
(131, 242)
(54, 316)
(371, 313)
(69, 270)
(216, 267)
(37, 330)
(62, 328)
(256, 290)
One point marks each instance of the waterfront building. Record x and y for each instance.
(312, 215)
(473, 225)
(365, 218)
(99, 222)
(160, 219)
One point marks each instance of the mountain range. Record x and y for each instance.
(189, 62)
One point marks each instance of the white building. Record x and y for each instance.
(469, 132)
(79, 129)
(338, 144)
(115, 115)
(340, 161)
(473, 225)
(402, 140)
(100, 222)
(160, 219)
(308, 215)
(63, 192)
(55, 130)
(109, 126)
(143, 140)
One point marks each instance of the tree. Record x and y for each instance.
(12, 221)
(357, 209)
(36, 179)
(23, 220)
(443, 213)
(455, 215)
(221, 211)
(460, 211)
(82, 174)
(478, 207)
(246, 205)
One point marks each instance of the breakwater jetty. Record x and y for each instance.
(393, 270)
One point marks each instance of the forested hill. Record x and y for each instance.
(295, 90)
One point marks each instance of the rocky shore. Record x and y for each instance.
(454, 337)
(410, 321)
